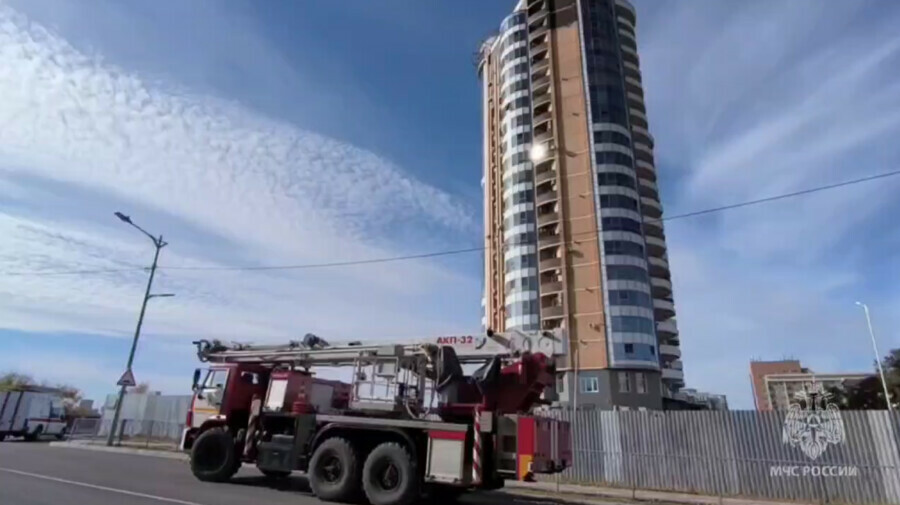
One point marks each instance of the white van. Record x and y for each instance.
(31, 414)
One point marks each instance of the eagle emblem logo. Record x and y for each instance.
(812, 422)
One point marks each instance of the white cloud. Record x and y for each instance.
(752, 99)
(232, 185)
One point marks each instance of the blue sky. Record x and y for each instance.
(253, 133)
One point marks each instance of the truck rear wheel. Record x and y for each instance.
(213, 457)
(389, 476)
(34, 435)
(334, 471)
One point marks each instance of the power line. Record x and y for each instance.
(76, 272)
(333, 264)
(476, 249)
(779, 197)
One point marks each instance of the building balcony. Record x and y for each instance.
(648, 188)
(543, 137)
(656, 247)
(667, 328)
(633, 85)
(663, 309)
(645, 169)
(548, 218)
(670, 350)
(549, 196)
(549, 240)
(662, 288)
(634, 69)
(552, 311)
(540, 66)
(628, 34)
(659, 267)
(672, 374)
(550, 264)
(551, 287)
(626, 21)
(540, 85)
(537, 15)
(547, 175)
(651, 207)
(535, 31)
(676, 364)
(541, 119)
(638, 113)
(654, 228)
(640, 134)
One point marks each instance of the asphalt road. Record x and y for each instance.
(37, 474)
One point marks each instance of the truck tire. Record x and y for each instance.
(213, 457)
(34, 435)
(2, 437)
(334, 471)
(390, 476)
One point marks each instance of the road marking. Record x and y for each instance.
(101, 488)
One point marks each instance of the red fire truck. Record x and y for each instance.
(409, 422)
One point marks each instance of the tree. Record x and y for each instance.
(868, 393)
(13, 380)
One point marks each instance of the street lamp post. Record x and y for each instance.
(159, 243)
(887, 396)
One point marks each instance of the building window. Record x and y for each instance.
(560, 383)
(640, 382)
(590, 385)
(626, 273)
(624, 382)
(629, 348)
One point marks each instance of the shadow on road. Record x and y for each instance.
(294, 484)
(300, 485)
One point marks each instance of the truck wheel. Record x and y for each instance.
(389, 476)
(334, 471)
(212, 457)
(2, 437)
(34, 435)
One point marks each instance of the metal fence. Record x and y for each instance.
(146, 419)
(738, 453)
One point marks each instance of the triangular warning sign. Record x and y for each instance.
(127, 379)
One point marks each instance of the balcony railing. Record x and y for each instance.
(551, 287)
(667, 327)
(670, 350)
(552, 311)
(550, 264)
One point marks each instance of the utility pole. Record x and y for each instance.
(887, 394)
(159, 243)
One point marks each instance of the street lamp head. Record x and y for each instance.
(861, 304)
(123, 217)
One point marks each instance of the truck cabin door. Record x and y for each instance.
(209, 396)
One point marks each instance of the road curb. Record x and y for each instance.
(122, 450)
(635, 495)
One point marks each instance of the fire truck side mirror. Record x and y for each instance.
(196, 379)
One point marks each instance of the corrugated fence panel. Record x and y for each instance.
(738, 453)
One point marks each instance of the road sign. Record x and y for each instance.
(127, 379)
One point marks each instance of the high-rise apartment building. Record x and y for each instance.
(573, 233)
